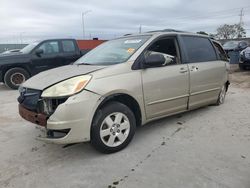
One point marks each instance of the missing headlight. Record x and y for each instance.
(48, 106)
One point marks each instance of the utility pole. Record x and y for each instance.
(140, 29)
(241, 17)
(21, 39)
(83, 24)
(241, 23)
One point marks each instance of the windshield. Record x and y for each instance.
(231, 44)
(27, 49)
(114, 51)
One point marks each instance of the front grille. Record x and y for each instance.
(29, 98)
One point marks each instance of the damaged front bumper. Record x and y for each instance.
(37, 118)
(69, 123)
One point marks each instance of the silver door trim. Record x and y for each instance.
(165, 100)
(205, 91)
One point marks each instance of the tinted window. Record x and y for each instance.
(68, 46)
(199, 49)
(220, 51)
(50, 47)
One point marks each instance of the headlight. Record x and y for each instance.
(67, 87)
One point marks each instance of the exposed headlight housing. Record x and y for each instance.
(67, 87)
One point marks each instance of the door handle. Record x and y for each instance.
(183, 70)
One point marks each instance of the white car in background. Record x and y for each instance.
(11, 51)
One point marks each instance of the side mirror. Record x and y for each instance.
(154, 60)
(39, 52)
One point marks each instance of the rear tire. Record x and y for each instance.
(15, 76)
(242, 67)
(113, 127)
(222, 95)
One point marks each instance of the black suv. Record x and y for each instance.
(15, 68)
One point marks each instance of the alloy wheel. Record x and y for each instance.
(17, 78)
(114, 129)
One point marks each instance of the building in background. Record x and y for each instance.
(87, 45)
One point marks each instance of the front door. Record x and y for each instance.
(50, 58)
(165, 88)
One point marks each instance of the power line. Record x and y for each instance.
(214, 12)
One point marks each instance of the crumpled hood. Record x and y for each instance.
(53, 76)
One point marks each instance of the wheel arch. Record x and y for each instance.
(125, 99)
(7, 68)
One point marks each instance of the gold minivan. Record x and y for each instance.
(125, 83)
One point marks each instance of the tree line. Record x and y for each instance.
(227, 31)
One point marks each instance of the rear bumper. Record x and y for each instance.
(244, 63)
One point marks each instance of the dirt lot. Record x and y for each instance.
(240, 78)
(208, 147)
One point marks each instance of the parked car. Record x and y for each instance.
(245, 59)
(235, 46)
(10, 51)
(37, 57)
(122, 84)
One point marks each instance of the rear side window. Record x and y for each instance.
(68, 46)
(220, 51)
(199, 49)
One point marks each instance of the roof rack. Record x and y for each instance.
(163, 30)
(168, 30)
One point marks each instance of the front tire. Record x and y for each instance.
(113, 128)
(14, 77)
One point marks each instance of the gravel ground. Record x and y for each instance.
(208, 147)
(240, 78)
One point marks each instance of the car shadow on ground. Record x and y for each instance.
(84, 151)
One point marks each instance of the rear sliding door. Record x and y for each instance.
(207, 71)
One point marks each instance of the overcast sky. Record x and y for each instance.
(29, 20)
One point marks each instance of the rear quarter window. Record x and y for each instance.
(68, 46)
(199, 49)
(220, 51)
